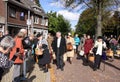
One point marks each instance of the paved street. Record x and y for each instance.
(76, 72)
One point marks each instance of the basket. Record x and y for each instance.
(38, 51)
(109, 53)
(118, 52)
(91, 58)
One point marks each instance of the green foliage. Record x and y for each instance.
(87, 22)
(58, 23)
(98, 19)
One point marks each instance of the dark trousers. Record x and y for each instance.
(77, 49)
(97, 61)
(59, 59)
(1, 73)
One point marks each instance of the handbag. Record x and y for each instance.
(69, 47)
(81, 53)
(4, 61)
(38, 51)
(94, 50)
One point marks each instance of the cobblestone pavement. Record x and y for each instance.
(76, 72)
(33, 75)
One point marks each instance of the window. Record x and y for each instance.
(22, 16)
(12, 12)
(36, 20)
(43, 22)
(46, 23)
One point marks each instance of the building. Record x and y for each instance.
(19, 14)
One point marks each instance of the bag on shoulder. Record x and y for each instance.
(26, 43)
(94, 50)
(69, 47)
(4, 61)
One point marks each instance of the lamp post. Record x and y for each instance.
(26, 52)
(28, 22)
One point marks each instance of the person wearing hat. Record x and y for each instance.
(70, 54)
(100, 45)
(44, 59)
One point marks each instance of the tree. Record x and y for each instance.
(99, 7)
(87, 22)
(58, 23)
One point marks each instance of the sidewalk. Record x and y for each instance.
(33, 75)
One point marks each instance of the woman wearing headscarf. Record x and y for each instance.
(44, 59)
(70, 54)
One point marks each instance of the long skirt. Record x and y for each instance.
(45, 58)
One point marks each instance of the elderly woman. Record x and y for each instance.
(70, 54)
(6, 43)
(18, 48)
(44, 59)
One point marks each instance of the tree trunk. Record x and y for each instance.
(99, 25)
(99, 20)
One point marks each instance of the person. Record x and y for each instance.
(87, 47)
(81, 46)
(70, 54)
(18, 48)
(6, 43)
(59, 47)
(27, 45)
(50, 40)
(83, 38)
(44, 59)
(77, 42)
(113, 44)
(100, 45)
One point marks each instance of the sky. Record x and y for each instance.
(72, 16)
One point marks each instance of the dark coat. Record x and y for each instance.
(62, 46)
(45, 58)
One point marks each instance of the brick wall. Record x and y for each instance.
(17, 19)
(2, 8)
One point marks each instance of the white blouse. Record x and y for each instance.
(100, 46)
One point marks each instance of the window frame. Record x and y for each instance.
(22, 17)
(12, 12)
(36, 20)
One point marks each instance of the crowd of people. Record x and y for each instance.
(14, 50)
